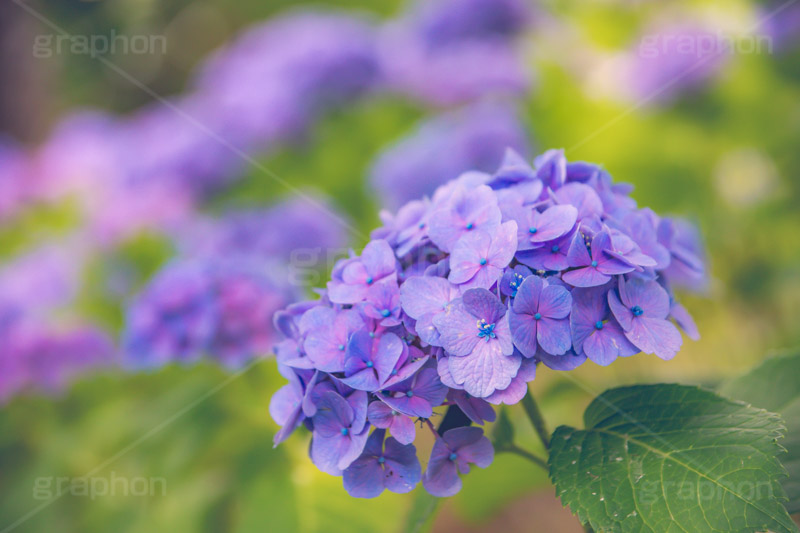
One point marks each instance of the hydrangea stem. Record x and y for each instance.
(516, 450)
(535, 416)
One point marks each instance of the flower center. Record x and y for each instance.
(555, 248)
(345, 432)
(409, 393)
(369, 281)
(394, 372)
(637, 311)
(483, 261)
(594, 263)
(470, 225)
(385, 313)
(486, 330)
(341, 347)
(381, 459)
(370, 364)
(537, 316)
(532, 230)
(598, 324)
(453, 456)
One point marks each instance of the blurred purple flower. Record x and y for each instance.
(443, 147)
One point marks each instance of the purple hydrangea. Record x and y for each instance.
(470, 138)
(451, 51)
(196, 308)
(455, 302)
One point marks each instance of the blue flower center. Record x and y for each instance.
(385, 313)
(394, 413)
(598, 324)
(345, 431)
(537, 316)
(486, 330)
(470, 225)
(369, 281)
(370, 364)
(453, 456)
(483, 261)
(421, 225)
(594, 263)
(637, 311)
(394, 372)
(341, 347)
(555, 248)
(381, 459)
(532, 230)
(409, 393)
(372, 334)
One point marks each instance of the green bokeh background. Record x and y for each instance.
(208, 434)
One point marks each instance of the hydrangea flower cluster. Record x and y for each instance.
(458, 298)
(204, 307)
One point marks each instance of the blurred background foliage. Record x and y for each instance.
(725, 155)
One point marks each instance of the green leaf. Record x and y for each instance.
(672, 458)
(503, 431)
(774, 385)
(423, 509)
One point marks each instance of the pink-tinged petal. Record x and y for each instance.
(355, 273)
(358, 403)
(285, 402)
(406, 371)
(504, 245)
(585, 277)
(503, 331)
(648, 295)
(528, 295)
(327, 452)
(479, 453)
(486, 276)
(655, 335)
(483, 304)
(485, 370)
(364, 477)
(578, 254)
(402, 470)
(458, 329)
(621, 312)
(468, 252)
(333, 414)
(357, 442)
(343, 293)
(380, 415)
(555, 302)
(554, 336)
(603, 347)
(476, 409)
(613, 267)
(378, 258)
(568, 361)
(554, 222)
(412, 406)
(583, 197)
(600, 243)
(403, 429)
(365, 380)
(518, 387)
(685, 321)
(441, 478)
(523, 332)
(421, 295)
(443, 368)
(390, 348)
